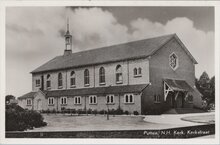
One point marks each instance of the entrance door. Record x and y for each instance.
(180, 100)
(39, 104)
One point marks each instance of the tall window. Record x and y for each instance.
(37, 83)
(110, 99)
(63, 100)
(135, 71)
(102, 75)
(77, 100)
(48, 82)
(72, 79)
(51, 101)
(139, 71)
(129, 98)
(92, 99)
(173, 61)
(60, 80)
(119, 74)
(86, 77)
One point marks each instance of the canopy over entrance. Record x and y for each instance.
(177, 86)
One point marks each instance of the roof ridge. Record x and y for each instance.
(124, 43)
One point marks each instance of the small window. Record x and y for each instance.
(86, 77)
(128, 98)
(137, 72)
(173, 61)
(119, 78)
(48, 82)
(101, 76)
(51, 101)
(37, 82)
(63, 100)
(157, 98)
(110, 99)
(29, 102)
(72, 79)
(60, 81)
(92, 99)
(77, 100)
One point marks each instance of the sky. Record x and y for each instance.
(34, 35)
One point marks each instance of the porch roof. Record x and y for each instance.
(178, 85)
(28, 95)
(97, 90)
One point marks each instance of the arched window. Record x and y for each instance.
(119, 74)
(135, 71)
(72, 79)
(139, 71)
(48, 82)
(102, 75)
(60, 80)
(128, 98)
(86, 77)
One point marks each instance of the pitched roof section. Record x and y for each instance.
(96, 91)
(28, 95)
(125, 51)
(178, 85)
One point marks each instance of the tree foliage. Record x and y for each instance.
(206, 87)
(19, 119)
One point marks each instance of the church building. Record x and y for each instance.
(149, 76)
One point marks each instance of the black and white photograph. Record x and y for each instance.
(110, 72)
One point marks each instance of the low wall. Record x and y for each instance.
(183, 132)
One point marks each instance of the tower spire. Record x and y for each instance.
(68, 40)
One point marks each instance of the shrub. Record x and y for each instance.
(126, 112)
(94, 112)
(20, 120)
(89, 111)
(102, 112)
(79, 111)
(119, 111)
(136, 113)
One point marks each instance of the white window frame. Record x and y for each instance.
(29, 103)
(51, 99)
(48, 81)
(73, 76)
(129, 102)
(77, 98)
(86, 78)
(92, 102)
(138, 74)
(36, 83)
(177, 61)
(110, 96)
(63, 102)
(119, 73)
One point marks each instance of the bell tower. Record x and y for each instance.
(68, 41)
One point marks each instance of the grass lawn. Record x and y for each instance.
(61, 122)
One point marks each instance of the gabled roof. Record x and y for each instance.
(178, 85)
(125, 51)
(97, 90)
(28, 95)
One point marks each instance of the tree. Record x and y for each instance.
(206, 87)
(8, 98)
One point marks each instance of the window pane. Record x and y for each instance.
(131, 98)
(112, 99)
(94, 99)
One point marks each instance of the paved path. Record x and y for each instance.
(175, 119)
